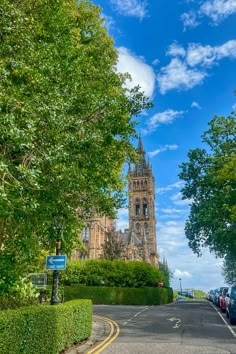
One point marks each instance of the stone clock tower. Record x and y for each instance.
(142, 220)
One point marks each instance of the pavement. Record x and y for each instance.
(100, 331)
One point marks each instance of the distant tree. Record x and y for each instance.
(210, 184)
(66, 125)
(113, 247)
(165, 270)
(229, 268)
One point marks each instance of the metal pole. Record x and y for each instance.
(55, 283)
(180, 285)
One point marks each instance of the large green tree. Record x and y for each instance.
(65, 121)
(210, 184)
(229, 268)
(113, 248)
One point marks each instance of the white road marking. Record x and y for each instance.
(178, 321)
(229, 327)
(138, 313)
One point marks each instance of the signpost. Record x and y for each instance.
(56, 262)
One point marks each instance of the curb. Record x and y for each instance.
(100, 331)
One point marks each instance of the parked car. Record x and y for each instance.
(218, 294)
(222, 299)
(230, 301)
(180, 298)
(186, 293)
(191, 294)
(211, 295)
(215, 296)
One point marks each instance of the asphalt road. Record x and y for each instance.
(183, 327)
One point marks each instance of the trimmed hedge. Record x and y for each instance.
(120, 296)
(117, 273)
(45, 329)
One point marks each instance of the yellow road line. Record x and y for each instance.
(109, 339)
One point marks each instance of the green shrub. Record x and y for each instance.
(120, 296)
(22, 293)
(112, 273)
(45, 329)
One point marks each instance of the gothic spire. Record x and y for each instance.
(141, 165)
(140, 145)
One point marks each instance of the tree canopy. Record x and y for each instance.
(65, 120)
(210, 184)
(229, 268)
(113, 248)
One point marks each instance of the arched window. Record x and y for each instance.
(137, 207)
(83, 256)
(145, 228)
(137, 227)
(85, 234)
(145, 208)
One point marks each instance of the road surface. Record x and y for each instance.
(183, 327)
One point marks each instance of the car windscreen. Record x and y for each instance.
(233, 293)
(225, 290)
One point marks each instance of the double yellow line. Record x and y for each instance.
(114, 332)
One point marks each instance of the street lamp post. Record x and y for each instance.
(57, 229)
(180, 285)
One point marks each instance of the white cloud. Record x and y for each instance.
(182, 274)
(171, 235)
(172, 211)
(166, 117)
(216, 10)
(155, 62)
(178, 75)
(177, 199)
(200, 55)
(195, 272)
(188, 68)
(234, 107)
(133, 8)
(170, 187)
(176, 50)
(189, 19)
(207, 56)
(162, 149)
(142, 74)
(196, 105)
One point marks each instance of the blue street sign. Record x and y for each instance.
(56, 262)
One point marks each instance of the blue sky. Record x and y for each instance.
(183, 55)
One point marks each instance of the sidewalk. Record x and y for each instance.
(100, 330)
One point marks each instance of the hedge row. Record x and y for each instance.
(117, 273)
(45, 329)
(120, 296)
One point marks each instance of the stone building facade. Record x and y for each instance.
(142, 219)
(93, 236)
(140, 238)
